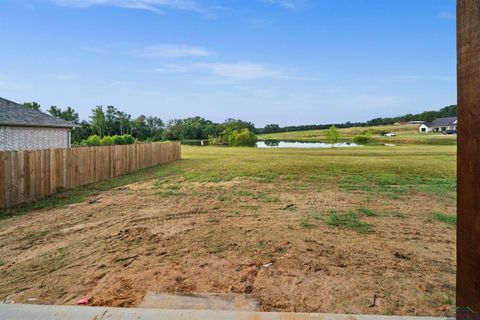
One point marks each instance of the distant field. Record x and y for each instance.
(318, 230)
(406, 134)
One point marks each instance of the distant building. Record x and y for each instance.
(415, 122)
(439, 125)
(22, 128)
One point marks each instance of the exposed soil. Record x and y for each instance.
(212, 238)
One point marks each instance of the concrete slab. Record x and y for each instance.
(43, 312)
(200, 301)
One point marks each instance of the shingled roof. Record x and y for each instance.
(442, 122)
(14, 114)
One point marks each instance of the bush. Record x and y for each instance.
(119, 139)
(128, 139)
(361, 139)
(242, 137)
(215, 140)
(107, 141)
(93, 140)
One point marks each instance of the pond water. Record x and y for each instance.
(302, 144)
(283, 144)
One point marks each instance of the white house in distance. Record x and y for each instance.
(439, 125)
(22, 128)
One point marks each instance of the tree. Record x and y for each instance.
(271, 128)
(155, 127)
(242, 137)
(174, 130)
(124, 122)
(68, 114)
(32, 105)
(332, 135)
(82, 133)
(235, 124)
(140, 128)
(99, 123)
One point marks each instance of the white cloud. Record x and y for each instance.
(151, 5)
(446, 15)
(172, 51)
(233, 71)
(287, 4)
(241, 70)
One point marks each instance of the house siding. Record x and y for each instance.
(33, 138)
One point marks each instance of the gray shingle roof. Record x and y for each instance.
(15, 114)
(442, 122)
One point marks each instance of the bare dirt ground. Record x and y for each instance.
(266, 240)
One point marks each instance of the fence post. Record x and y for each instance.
(468, 197)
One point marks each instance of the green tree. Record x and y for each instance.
(332, 135)
(32, 105)
(174, 130)
(68, 114)
(124, 120)
(140, 128)
(242, 137)
(271, 128)
(81, 133)
(99, 123)
(155, 127)
(112, 121)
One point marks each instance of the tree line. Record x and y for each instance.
(427, 116)
(111, 122)
(107, 124)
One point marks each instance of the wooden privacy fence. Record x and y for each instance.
(27, 176)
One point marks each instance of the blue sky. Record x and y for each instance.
(266, 61)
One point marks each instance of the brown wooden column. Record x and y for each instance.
(468, 229)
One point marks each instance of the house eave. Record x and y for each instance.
(9, 124)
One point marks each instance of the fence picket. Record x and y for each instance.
(31, 175)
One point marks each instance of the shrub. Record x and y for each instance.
(242, 137)
(93, 140)
(361, 139)
(107, 141)
(215, 140)
(119, 139)
(128, 139)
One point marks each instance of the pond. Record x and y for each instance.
(302, 144)
(282, 144)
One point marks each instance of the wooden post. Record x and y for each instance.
(468, 229)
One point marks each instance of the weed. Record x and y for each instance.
(448, 219)
(261, 196)
(367, 212)
(169, 193)
(348, 221)
(306, 224)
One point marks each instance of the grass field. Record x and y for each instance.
(363, 230)
(406, 134)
